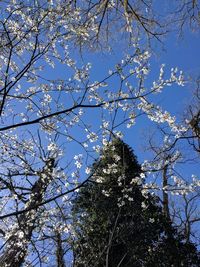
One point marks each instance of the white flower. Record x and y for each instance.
(105, 124)
(78, 164)
(52, 147)
(143, 205)
(136, 180)
(119, 134)
(97, 148)
(78, 157)
(99, 179)
(92, 137)
(110, 72)
(87, 170)
(142, 175)
(122, 203)
(105, 142)
(106, 193)
(117, 158)
(151, 220)
(20, 234)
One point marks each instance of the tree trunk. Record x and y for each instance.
(165, 195)
(59, 251)
(17, 244)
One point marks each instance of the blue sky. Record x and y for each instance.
(182, 52)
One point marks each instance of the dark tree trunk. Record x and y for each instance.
(59, 251)
(165, 195)
(16, 247)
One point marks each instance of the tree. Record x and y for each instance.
(48, 92)
(170, 155)
(118, 223)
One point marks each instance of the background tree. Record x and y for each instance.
(170, 153)
(118, 223)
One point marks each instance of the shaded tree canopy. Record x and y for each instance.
(118, 223)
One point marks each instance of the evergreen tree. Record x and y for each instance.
(118, 223)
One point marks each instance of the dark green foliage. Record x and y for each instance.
(118, 224)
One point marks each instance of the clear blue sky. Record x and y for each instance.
(183, 53)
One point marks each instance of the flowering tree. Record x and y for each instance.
(47, 95)
(170, 153)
